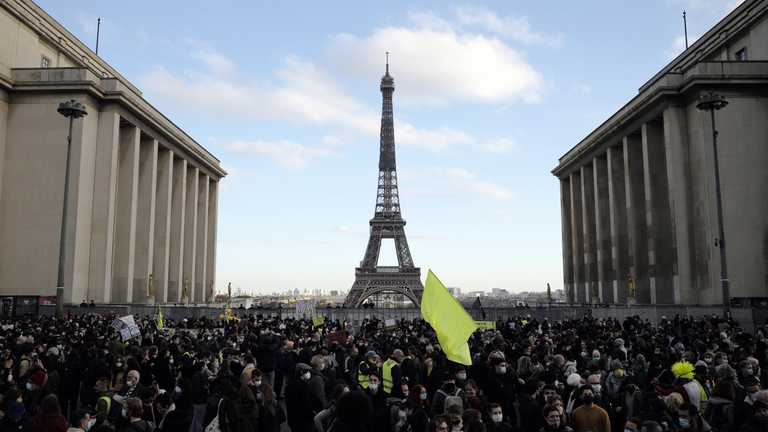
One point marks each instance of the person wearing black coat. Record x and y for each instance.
(271, 414)
(354, 413)
(298, 401)
(267, 354)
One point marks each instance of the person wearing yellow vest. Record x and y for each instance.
(366, 367)
(390, 374)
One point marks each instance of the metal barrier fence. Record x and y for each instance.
(746, 317)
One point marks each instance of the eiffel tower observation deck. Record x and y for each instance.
(387, 223)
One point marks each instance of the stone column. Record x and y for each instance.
(617, 205)
(588, 225)
(125, 216)
(635, 189)
(213, 203)
(202, 285)
(3, 133)
(178, 220)
(602, 228)
(577, 235)
(190, 233)
(145, 221)
(565, 216)
(679, 181)
(658, 217)
(163, 212)
(104, 194)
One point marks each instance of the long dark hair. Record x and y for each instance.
(414, 398)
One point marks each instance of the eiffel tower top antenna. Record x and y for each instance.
(387, 63)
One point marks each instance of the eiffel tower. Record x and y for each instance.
(387, 223)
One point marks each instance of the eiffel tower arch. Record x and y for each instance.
(387, 223)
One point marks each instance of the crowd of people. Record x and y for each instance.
(270, 374)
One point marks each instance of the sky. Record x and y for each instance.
(488, 96)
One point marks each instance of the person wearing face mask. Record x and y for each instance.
(553, 421)
(378, 401)
(80, 421)
(417, 409)
(589, 417)
(366, 367)
(298, 400)
(497, 422)
(501, 385)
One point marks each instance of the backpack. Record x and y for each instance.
(213, 426)
(454, 399)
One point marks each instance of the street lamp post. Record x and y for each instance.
(712, 102)
(72, 110)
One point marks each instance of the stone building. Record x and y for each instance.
(143, 194)
(639, 214)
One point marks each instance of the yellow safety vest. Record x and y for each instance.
(362, 379)
(387, 375)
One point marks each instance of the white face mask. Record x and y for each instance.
(373, 387)
(461, 376)
(501, 370)
(423, 396)
(29, 386)
(305, 376)
(177, 389)
(257, 383)
(496, 418)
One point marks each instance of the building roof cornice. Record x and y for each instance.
(680, 74)
(112, 90)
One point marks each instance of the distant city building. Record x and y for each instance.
(334, 293)
(143, 195)
(639, 214)
(499, 292)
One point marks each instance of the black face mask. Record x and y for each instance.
(587, 400)
(450, 387)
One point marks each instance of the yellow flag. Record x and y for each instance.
(318, 321)
(451, 322)
(159, 319)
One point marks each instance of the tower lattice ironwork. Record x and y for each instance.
(387, 223)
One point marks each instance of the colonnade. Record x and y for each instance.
(154, 219)
(619, 237)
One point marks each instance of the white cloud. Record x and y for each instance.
(304, 94)
(441, 66)
(286, 153)
(468, 182)
(499, 145)
(216, 62)
(678, 45)
(511, 27)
